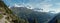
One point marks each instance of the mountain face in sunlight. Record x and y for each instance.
(30, 14)
(35, 16)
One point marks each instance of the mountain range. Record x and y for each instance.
(31, 14)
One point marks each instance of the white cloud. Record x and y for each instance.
(16, 5)
(44, 5)
(19, 5)
(57, 10)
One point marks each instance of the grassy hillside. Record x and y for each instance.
(10, 17)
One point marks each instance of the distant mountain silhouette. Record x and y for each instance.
(30, 14)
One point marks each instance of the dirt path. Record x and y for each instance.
(3, 19)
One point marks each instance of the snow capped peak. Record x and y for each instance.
(29, 7)
(23, 5)
(43, 9)
(19, 5)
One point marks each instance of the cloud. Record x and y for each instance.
(46, 5)
(56, 10)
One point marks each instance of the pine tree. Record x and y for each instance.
(35, 20)
(26, 21)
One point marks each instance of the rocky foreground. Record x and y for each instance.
(6, 15)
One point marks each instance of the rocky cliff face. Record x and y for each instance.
(6, 15)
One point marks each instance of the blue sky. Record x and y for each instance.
(47, 5)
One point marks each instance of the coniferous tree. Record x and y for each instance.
(35, 20)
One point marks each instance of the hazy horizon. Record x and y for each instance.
(46, 5)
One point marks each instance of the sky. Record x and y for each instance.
(46, 5)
